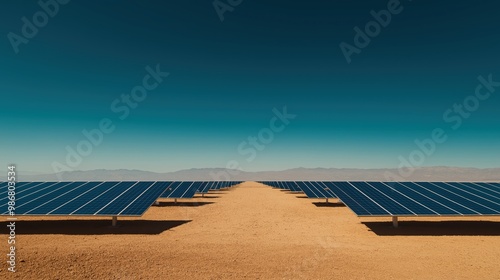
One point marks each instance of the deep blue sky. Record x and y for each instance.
(226, 78)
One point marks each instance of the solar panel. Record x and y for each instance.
(273, 184)
(205, 187)
(315, 190)
(216, 186)
(291, 186)
(85, 198)
(311, 189)
(197, 185)
(418, 198)
(279, 185)
(496, 184)
(181, 190)
(223, 185)
(282, 185)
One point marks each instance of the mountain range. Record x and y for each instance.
(437, 173)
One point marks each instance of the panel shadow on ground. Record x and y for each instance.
(329, 204)
(437, 228)
(93, 227)
(182, 204)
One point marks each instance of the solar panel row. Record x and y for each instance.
(316, 189)
(291, 186)
(205, 187)
(398, 199)
(181, 190)
(97, 198)
(188, 189)
(83, 198)
(419, 198)
(224, 184)
(312, 189)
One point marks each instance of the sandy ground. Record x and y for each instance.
(255, 232)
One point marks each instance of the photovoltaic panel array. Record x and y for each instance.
(419, 198)
(284, 185)
(83, 198)
(205, 187)
(224, 184)
(216, 186)
(187, 189)
(181, 189)
(316, 189)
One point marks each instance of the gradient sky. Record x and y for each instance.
(226, 78)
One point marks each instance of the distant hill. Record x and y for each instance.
(332, 174)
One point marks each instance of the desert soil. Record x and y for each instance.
(256, 232)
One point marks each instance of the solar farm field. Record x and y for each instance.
(257, 231)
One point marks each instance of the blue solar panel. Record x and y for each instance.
(311, 189)
(19, 187)
(323, 189)
(197, 185)
(57, 198)
(85, 198)
(215, 186)
(292, 186)
(266, 183)
(280, 185)
(357, 201)
(308, 189)
(122, 201)
(274, 184)
(89, 195)
(181, 190)
(152, 194)
(478, 191)
(224, 184)
(477, 204)
(418, 198)
(205, 187)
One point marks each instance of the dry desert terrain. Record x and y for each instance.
(254, 232)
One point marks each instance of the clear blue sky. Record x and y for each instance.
(226, 78)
